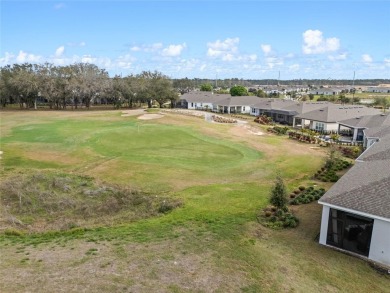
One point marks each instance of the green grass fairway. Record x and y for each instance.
(220, 173)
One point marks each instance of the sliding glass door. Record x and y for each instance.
(349, 231)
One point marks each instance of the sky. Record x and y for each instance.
(203, 39)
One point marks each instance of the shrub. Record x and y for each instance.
(301, 188)
(292, 195)
(267, 214)
(278, 196)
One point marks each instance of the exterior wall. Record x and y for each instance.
(369, 142)
(194, 106)
(247, 109)
(331, 126)
(324, 224)
(254, 111)
(327, 126)
(380, 242)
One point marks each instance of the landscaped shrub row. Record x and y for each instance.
(308, 138)
(351, 152)
(278, 130)
(306, 195)
(263, 119)
(220, 119)
(328, 172)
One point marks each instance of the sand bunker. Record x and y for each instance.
(136, 112)
(150, 116)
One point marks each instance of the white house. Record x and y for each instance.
(326, 91)
(356, 209)
(198, 100)
(378, 89)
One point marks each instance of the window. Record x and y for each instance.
(319, 126)
(192, 105)
(243, 108)
(350, 232)
(280, 116)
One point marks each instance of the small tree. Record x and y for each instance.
(238, 90)
(206, 87)
(279, 194)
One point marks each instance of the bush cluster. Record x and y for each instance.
(220, 119)
(278, 218)
(263, 119)
(306, 195)
(278, 130)
(328, 172)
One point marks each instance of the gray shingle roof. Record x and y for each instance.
(332, 113)
(368, 121)
(239, 100)
(363, 190)
(203, 97)
(366, 186)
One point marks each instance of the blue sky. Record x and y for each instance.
(243, 39)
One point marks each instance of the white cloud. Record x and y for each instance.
(135, 49)
(387, 62)
(252, 57)
(273, 61)
(315, 43)
(147, 48)
(7, 59)
(125, 61)
(173, 50)
(267, 49)
(294, 67)
(60, 51)
(223, 49)
(338, 57)
(87, 59)
(59, 6)
(203, 67)
(80, 44)
(366, 58)
(25, 57)
(227, 50)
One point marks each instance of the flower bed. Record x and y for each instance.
(220, 119)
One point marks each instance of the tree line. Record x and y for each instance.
(81, 85)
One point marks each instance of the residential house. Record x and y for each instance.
(326, 91)
(356, 209)
(326, 118)
(353, 129)
(198, 100)
(236, 104)
(378, 89)
(277, 109)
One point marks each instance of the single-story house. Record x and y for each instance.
(356, 209)
(326, 118)
(198, 100)
(378, 89)
(236, 104)
(326, 91)
(277, 109)
(354, 128)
